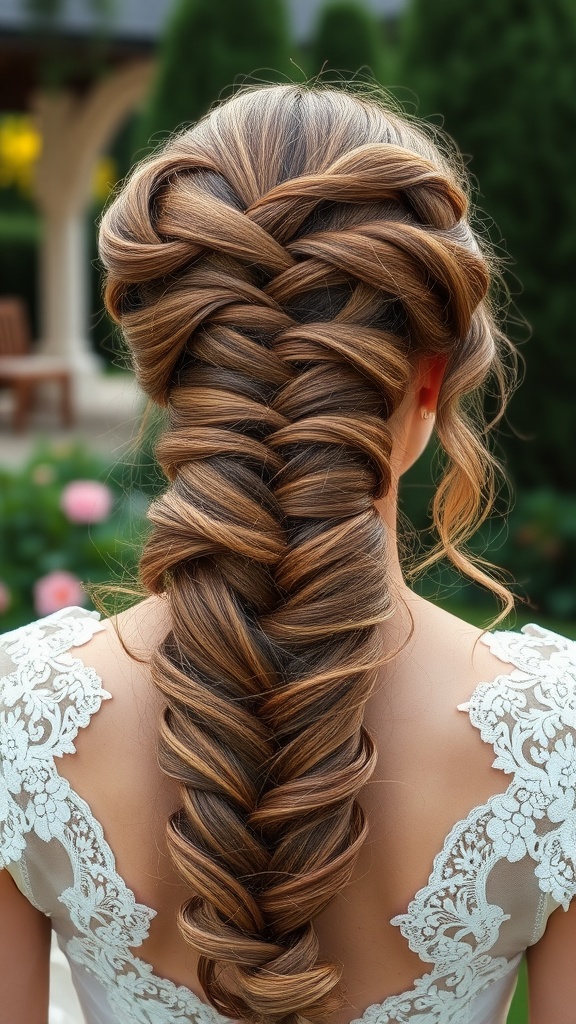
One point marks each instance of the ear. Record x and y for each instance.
(429, 381)
(417, 423)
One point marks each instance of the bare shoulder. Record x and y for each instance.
(416, 712)
(141, 627)
(452, 653)
(123, 648)
(114, 766)
(125, 727)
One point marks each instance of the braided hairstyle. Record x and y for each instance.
(275, 270)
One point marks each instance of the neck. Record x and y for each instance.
(387, 508)
(399, 626)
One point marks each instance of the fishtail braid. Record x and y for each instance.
(273, 294)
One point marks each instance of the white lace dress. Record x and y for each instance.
(500, 874)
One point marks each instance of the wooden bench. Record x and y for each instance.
(23, 370)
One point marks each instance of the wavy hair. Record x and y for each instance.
(275, 270)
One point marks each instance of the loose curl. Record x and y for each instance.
(275, 270)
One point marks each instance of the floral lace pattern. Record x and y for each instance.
(528, 715)
(43, 703)
(537, 815)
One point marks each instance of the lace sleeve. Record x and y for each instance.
(530, 719)
(44, 700)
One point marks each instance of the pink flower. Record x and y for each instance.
(57, 590)
(86, 501)
(5, 598)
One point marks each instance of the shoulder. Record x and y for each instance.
(58, 670)
(48, 636)
(38, 671)
(529, 712)
(114, 762)
(512, 683)
(534, 648)
(475, 656)
(72, 652)
(541, 681)
(528, 715)
(120, 657)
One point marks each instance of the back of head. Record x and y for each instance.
(276, 270)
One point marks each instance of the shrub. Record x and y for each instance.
(207, 44)
(66, 518)
(535, 545)
(347, 39)
(540, 550)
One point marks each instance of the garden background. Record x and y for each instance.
(500, 77)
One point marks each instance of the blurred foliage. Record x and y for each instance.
(60, 63)
(207, 45)
(540, 550)
(37, 538)
(348, 37)
(534, 544)
(502, 76)
(519, 1009)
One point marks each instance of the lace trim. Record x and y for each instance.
(448, 923)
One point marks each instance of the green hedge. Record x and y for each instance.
(501, 78)
(535, 544)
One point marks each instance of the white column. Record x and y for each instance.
(63, 295)
(74, 132)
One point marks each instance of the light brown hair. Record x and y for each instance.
(275, 270)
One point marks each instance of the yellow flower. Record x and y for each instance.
(20, 147)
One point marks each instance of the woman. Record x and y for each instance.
(300, 289)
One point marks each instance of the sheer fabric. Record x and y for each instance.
(500, 874)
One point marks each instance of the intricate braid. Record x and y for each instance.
(274, 270)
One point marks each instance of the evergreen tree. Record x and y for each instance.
(503, 76)
(206, 46)
(347, 38)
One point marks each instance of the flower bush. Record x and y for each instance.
(58, 589)
(86, 501)
(66, 518)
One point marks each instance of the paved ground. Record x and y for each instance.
(108, 410)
